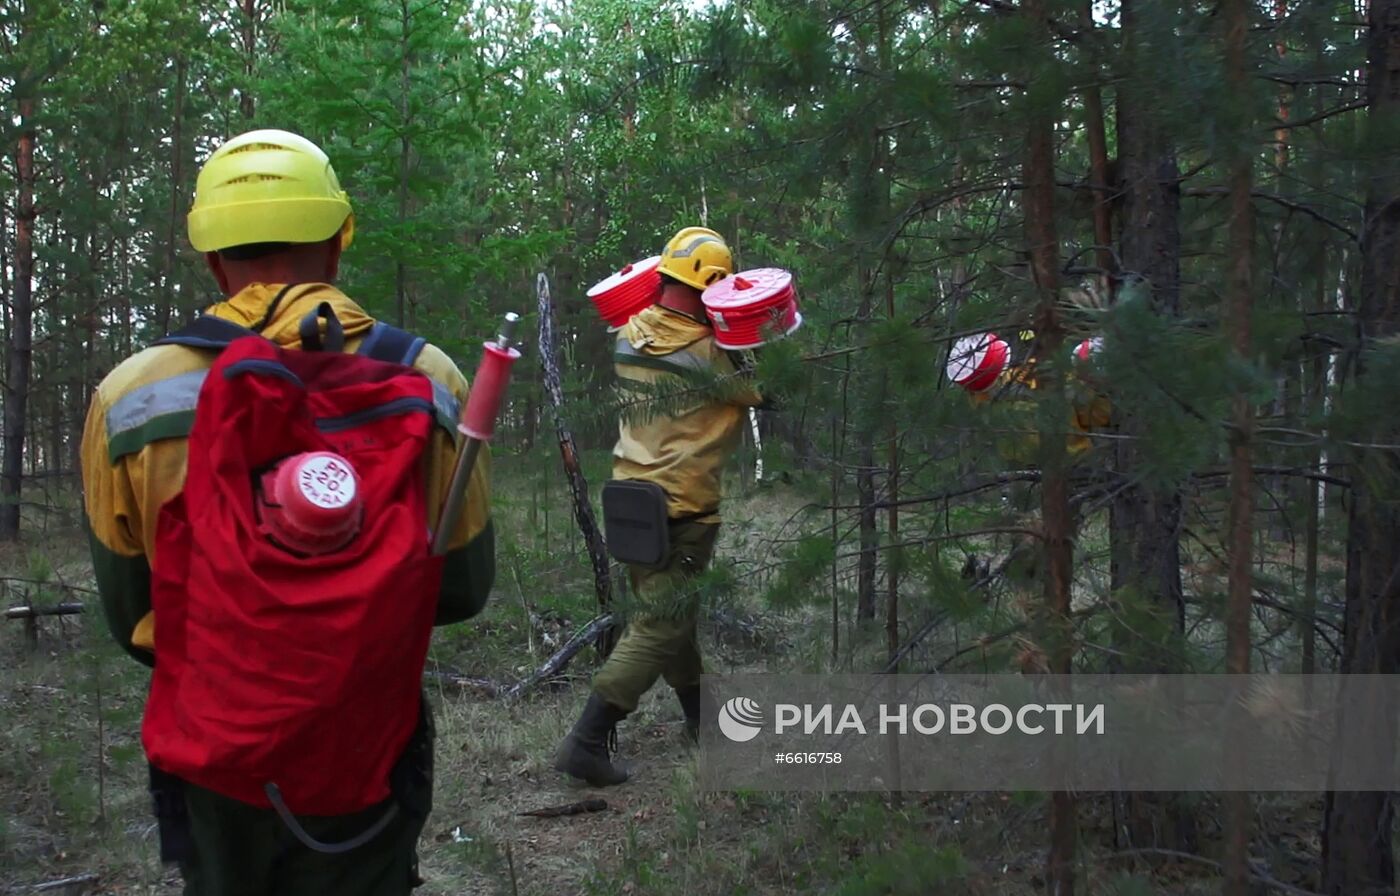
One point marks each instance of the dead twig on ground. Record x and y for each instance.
(579, 808)
(551, 667)
(77, 880)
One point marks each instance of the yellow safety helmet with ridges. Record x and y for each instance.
(697, 256)
(268, 186)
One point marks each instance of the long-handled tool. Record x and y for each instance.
(478, 425)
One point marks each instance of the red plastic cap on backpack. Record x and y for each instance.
(311, 502)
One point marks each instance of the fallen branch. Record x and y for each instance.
(581, 807)
(997, 481)
(61, 586)
(591, 632)
(551, 667)
(88, 878)
(485, 686)
(64, 609)
(1255, 875)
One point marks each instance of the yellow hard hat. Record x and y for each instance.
(268, 186)
(696, 256)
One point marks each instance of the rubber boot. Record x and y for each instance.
(584, 753)
(689, 698)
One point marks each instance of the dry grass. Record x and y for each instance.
(72, 786)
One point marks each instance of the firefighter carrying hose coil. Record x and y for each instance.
(666, 487)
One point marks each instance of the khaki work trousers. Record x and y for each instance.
(661, 640)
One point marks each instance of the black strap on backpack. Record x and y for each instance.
(310, 329)
(382, 343)
(207, 331)
(388, 343)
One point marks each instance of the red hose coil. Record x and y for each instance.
(627, 292)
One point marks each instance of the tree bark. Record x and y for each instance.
(405, 149)
(869, 534)
(1356, 838)
(18, 347)
(578, 485)
(173, 235)
(250, 38)
(1144, 524)
(1099, 175)
(1038, 174)
(1238, 809)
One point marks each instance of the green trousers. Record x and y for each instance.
(242, 850)
(660, 640)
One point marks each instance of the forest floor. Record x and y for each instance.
(72, 782)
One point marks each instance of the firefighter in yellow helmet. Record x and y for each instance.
(271, 219)
(696, 257)
(1016, 384)
(683, 455)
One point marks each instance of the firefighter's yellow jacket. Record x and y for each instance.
(134, 450)
(1090, 411)
(684, 453)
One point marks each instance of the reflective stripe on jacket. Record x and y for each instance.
(684, 453)
(133, 458)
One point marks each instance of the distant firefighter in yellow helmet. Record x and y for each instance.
(662, 506)
(988, 369)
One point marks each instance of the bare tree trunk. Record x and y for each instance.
(869, 535)
(892, 563)
(1145, 524)
(1099, 175)
(405, 149)
(1313, 492)
(1038, 173)
(578, 486)
(835, 540)
(250, 47)
(1240, 298)
(1356, 837)
(173, 234)
(19, 347)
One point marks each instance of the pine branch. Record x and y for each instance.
(1321, 116)
(674, 395)
(1278, 200)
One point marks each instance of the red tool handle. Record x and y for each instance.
(487, 392)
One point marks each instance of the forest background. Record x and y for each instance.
(1211, 187)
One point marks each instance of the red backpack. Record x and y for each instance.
(292, 645)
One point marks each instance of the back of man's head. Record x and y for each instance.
(268, 207)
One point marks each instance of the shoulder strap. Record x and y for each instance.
(389, 343)
(207, 331)
(310, 330)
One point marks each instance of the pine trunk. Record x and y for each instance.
(1145, 525)
(1038, 174)
(1239, 298)
(1356, 840)
(18, 347)
(869, 534)
(250, 36)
